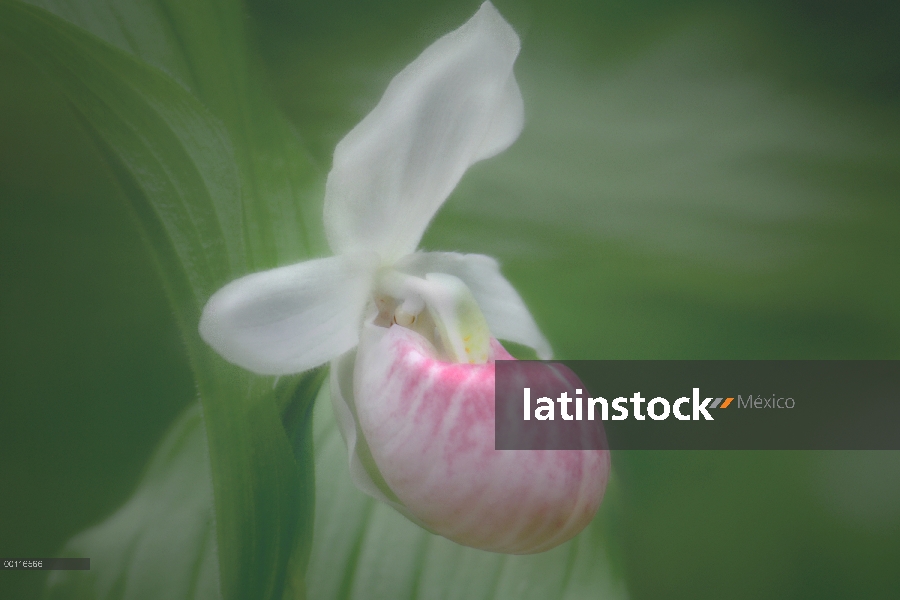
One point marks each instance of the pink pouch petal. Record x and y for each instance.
(430, 427)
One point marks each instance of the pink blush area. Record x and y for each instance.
(430, 427)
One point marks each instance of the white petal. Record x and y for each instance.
(507, 124)
(456, 104)
(503, 308)
(289, 319)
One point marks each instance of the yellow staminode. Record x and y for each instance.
(462, 328)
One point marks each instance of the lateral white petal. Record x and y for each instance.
(456, 104)
(289, 319)
(503, 308)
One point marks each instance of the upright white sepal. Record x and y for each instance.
(456, 104)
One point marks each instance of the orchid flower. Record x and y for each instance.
(412, 336)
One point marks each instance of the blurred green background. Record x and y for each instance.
(694, 180)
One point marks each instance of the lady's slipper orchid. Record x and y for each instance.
(414, 401)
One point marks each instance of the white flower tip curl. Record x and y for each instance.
(456, 104)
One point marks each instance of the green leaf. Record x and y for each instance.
(162, 542)
(172, 157)
(203, 46)
(364, 549)
(140, 551)
(175, 164)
